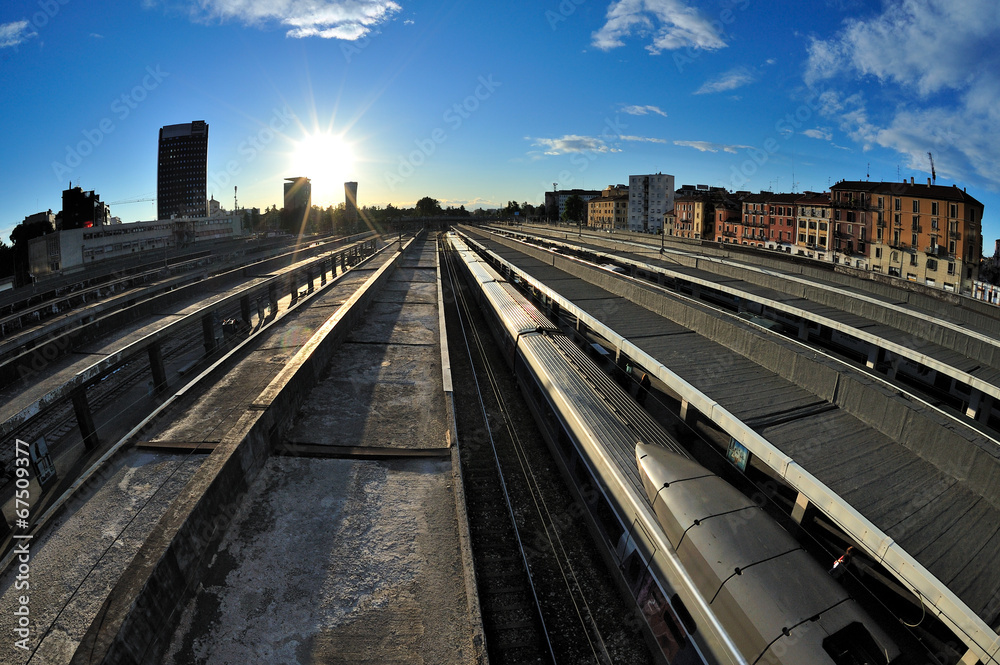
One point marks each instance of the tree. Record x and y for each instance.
(576, 209)
(6, 259)
(21, 236)
(989, 271)
(551, 211)
(428, 207)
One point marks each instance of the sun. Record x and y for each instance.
(327, 159)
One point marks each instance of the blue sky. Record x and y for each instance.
(476, 104)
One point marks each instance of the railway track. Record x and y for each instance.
(544, 593)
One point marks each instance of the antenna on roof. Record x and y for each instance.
(868, 171)
(933, 174)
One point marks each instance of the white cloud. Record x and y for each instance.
(734, 78)
(672, 24)
(96, 35)
(938, 63)
(819, 133)
(644, 110)
(572, 143)
(706, 146)
(12, 34)
(642, 139)
(329, 19)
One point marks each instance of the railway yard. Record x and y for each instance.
(487, 444)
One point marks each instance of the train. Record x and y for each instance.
(716, 579)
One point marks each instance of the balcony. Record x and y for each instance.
(854, 204)
(954, 235)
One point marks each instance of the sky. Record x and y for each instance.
(477, 104)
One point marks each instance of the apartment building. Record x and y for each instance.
(609, 211)
(650, 196)
(813, 216)
(924, 233)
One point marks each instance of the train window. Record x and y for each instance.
(674, 627)
(854, 645)
(682, 613)
(633, 568)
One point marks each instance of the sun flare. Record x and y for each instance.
(327, 159)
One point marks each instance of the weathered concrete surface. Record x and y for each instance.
(138, 616)
(350, 561)
(335, 561)
(377, 395)
(77, 560)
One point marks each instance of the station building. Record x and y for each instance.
(73, 250)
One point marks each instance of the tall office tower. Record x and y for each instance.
(351, 201)
(182, 171)
(298, 202)
(649, 197)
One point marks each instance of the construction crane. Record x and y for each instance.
(140, 199)
(933, 174)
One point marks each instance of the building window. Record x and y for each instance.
(916, 205)
(934, 207)
(913, 259)
(932, 264)
(897, 204)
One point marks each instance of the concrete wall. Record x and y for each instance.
(94, 323)
(140, 614)
(966, 310)
(920, 327)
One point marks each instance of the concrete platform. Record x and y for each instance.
(76, 561)
(83, 556)
(352, 560)
(336, 561)
(205, 418)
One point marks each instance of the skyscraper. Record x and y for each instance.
(351, 201)
(182, 170)
(298, 202)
